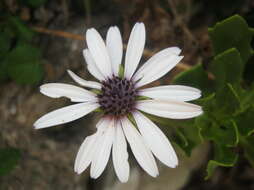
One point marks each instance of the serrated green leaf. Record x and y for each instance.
(5, 43)
(22, 31)
(227, 101)
(222, 105)
(246, 97)
(227, 67)
(28, 73)
(223, 156)
(8, 160)
(205, 99)
(223, 132)
(247, 143)
(248, 70)
(186, 138)
(208, 103)
(3, 71)
(23, 64)
(195, 77)
(233, 32)
(245, 122)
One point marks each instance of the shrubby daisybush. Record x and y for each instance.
(119, 96)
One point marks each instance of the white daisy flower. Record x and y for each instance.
(118, 98)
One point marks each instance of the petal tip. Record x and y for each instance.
(36, 125)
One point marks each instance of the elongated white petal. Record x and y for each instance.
(76, 94)
(156, 140)
(102, 153)
(85, 153)
(88, 147)
(91, 66)
(65, 115)
(141, 152)
(156, 61)
(99, 52)
(160, 68)
(82, 82)
(169, 109)
(120, 154)
(115, 48)
(171, 92)
(134, 49)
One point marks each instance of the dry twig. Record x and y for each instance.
(179, 21)
(59, 33)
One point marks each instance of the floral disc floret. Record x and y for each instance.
(117, 96)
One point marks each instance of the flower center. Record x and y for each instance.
(118, 96)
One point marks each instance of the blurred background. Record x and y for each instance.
(41, 39)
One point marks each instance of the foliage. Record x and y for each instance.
(227, 121)
(8, 159)
(19, 59)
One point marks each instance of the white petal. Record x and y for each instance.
(169, 109)
(115, 48)
(91, 66)
(171, 92)
(156, 140)
(102, 153)
(82, 82)
(65, 114)
(99, 52)
(174, 50)
(135, 49)
(76, 94)
(85, 153)
(156, 61)
(120, 154)
(141, 152)
(88, 147)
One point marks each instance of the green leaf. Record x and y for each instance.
(246, 97)
(227, 102)
(5, 43)
(186, 138)
(248, 70)
(227, 67)
(221, 132)
(247, 143)
(233, 32)
(23, 64)
(8, 160)
(223, 156)
(245, 122)
(222, 105)
(195, 77)
(3, 71)
(22, 31)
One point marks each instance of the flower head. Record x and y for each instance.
(118, 98)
